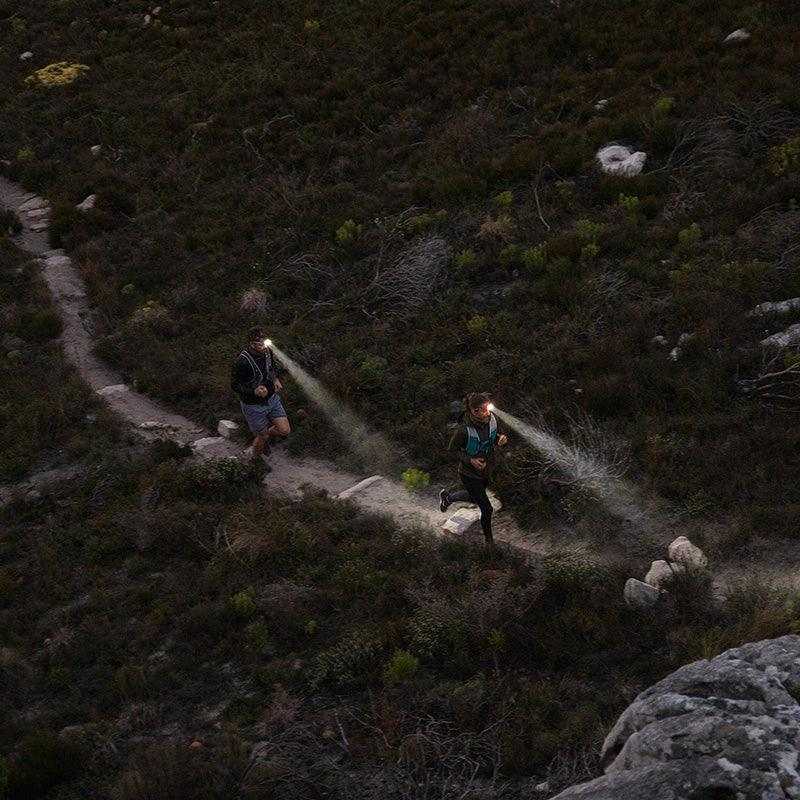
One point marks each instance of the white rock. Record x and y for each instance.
(37, 213)
(600, 105)
(675, 353)
(226, 428)
(152, 425)
(26, 55)
(659, 341)
(117, 388)
(661, 572)
(640, 595)
(359, 487)
(788, 338)
(87, 203)
(739, 35)
(616, 159)
(156, 10)
(32, 203)
(775, 307)
(682, 551)
(39, 226)
(544, 786)
(685, 338)
(206, 442)
(467, 516)
(95, 149)
(146, 19)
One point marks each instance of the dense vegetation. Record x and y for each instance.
(156, 603)
(295, 151)
(405, 193)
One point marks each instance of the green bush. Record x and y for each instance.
(688, 237)
(348, 232)
(631, 204)
(505, 198)
(510, 255)
(401, 668)
(534, 258)
(242, 605)
(466, 259)
(588, 231)
(785, 158)
(415, 479)
(663, 106)
(477, 325)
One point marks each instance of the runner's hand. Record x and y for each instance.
(478, 463)
(278, 385)
(261, 391)
(502, 439)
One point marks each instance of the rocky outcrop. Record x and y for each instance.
(723, 728)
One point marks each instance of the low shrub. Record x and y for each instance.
(415, 479)
(401, 668)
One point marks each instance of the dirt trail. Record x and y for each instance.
(153, 421)
(373, 493)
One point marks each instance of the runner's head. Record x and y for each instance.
(477, 405)
(255, 339)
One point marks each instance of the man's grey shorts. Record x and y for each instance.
(261, 417)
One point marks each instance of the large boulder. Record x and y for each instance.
(728, 727)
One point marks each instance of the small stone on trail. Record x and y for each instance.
(600, 105)
(95, 149)
(195, 745)
(88, 203)
(682, 551)
(26, 55)
(146, 19)
(227, 428)
(659, 341)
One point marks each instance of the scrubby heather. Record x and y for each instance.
(407, 195)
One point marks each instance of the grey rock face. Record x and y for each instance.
(728, 727)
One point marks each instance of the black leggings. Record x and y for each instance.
(475, 491)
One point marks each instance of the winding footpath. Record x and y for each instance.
(151, 421)
(290, 476)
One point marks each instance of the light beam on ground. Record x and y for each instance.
(582, 469)
(374, 450)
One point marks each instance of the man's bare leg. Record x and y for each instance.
(279, 428)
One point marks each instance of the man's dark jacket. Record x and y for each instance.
(251, 370)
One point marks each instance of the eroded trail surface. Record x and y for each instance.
(290, 476)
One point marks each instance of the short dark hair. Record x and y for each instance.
(256, 333)
(476, 399)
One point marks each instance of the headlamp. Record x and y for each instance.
(267, 342)
(490, 406)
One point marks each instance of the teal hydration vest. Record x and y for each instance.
(481, 447)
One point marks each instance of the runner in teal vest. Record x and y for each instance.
(476, 441)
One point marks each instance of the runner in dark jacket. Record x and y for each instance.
(255, 378)
(475, 441)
